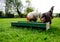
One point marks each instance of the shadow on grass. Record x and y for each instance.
(53, 30)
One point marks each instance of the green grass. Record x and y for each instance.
(14, 34)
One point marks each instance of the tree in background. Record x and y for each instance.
(18, 4)
(15, 5)
(28, 7)
(8, 6)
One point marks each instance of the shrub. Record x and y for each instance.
(9, 15)
(1, 14)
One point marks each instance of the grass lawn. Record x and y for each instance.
(14, 34)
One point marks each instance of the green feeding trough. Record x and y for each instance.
(31, 24)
